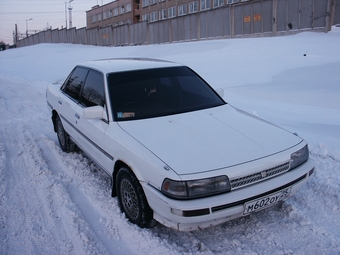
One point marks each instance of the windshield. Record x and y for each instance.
(159, 92)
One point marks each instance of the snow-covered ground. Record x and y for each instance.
(57, 203)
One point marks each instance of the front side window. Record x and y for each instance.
(93, 91)
(159, 92)
(75, 82)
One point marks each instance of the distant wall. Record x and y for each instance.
(248, 19)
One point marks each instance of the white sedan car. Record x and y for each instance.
(177, 153)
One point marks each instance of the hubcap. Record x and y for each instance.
(129, 199)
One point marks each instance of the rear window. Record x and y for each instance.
(159, 92)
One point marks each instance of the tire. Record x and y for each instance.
(64, 139)
(132, 200)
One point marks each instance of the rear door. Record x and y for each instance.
(69, 107)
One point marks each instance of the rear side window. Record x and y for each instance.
(73, 85)
(93, 92)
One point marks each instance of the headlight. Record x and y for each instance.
(299, 157)
(195, 188)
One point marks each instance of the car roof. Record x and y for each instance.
(127, 64)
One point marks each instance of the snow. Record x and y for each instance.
(57, 203)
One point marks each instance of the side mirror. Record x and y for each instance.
(95, 112)
(220, 92)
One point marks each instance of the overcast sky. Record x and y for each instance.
(44, 13)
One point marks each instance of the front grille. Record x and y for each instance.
(242, 202)
(260, 176)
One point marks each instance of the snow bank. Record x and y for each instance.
(57, 203)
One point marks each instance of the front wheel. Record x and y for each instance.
(132, 200)
(64, 139)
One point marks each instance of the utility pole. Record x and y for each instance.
(27, 26)
(16, 33)
(65, 15)
(70, 13)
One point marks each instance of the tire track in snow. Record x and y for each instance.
(89, 190)
(44, 219)
(66, 168)
(26, 208)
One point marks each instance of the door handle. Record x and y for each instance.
(77, 116)
(60, 102)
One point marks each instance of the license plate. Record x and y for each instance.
(266, 201)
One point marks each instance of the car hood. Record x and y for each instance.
(209, 139)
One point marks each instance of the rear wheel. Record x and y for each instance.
(132, 200)
(64, 139)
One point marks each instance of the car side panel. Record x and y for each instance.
(91, 133)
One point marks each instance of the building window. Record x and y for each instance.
(121, 9)
(193, 7)
(153, 2)
(205, 5)
(145, 17)
(128, 7)
(145, 3)
(172, 12)
(218, 3)
(115, 11)
(110, 14)
(163, 14)
(104, 15)
(153, 16)
(99, 17)
(128, 21)
(161, 1)
(182, 9)
(94, 18)
(232, 1)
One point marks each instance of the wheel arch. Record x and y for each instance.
(54, 117)
(118, 165)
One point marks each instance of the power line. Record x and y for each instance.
(55, 12)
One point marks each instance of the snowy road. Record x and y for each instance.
(57, 203)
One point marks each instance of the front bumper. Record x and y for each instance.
(187, 215)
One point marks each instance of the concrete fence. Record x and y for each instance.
(247, 19)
